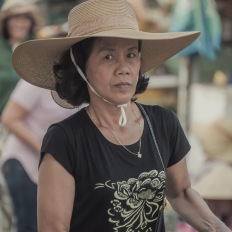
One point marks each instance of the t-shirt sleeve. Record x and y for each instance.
(58, 143)
(178, 142)
(26, 95)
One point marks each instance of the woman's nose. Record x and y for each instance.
(122, 67)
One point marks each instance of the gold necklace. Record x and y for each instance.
(139, 155)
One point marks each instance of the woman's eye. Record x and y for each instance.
(109, 57)
(131, 55)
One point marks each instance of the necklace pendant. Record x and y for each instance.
(139, 155)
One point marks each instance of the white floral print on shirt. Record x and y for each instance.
(136, 202)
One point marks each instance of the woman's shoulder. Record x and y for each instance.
(74, 121)
(161, 116)
(157, 110)
(6, 50)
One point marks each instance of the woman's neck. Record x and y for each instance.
(107, 114)
(106, 119)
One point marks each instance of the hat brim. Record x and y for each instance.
(33, 60)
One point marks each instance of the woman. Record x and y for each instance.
(27, 115)
(19, 21)
(103, 169)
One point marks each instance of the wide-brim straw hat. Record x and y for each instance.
(33, 60)
(21, 7)
(216, 184)
(216, 139)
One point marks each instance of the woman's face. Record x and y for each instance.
(19, 27)
(113, 68)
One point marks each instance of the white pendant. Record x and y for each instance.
(139, 155)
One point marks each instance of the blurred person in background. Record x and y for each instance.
(27, 115)
(214, 181)
(19, 21)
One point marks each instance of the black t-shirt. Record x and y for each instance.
(114, 189)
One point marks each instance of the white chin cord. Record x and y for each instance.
(122, 119)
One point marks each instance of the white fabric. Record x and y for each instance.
(42, 112)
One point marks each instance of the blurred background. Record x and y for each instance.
(196, 84)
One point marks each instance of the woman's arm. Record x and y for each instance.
(13, 118)
(188, 203)
(56, 190)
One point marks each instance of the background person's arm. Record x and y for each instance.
(56, 190)
(188, 203)
(13, 118)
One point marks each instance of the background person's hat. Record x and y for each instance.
(216, 183)
(34, 60)
(18, 7)
(216, 139)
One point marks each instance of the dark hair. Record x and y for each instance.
(5, 30)
(70, 86)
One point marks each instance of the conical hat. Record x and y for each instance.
(216, 139)
(216, 184)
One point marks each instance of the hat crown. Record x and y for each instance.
(94, 16)
(8, 4)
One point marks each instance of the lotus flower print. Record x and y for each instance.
(136, 202)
